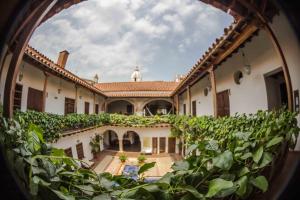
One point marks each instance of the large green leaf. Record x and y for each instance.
(146, 167)
(62, 195)
(260, 182)
(102, 197)
(274, 141)
(258, 154)
(217, 185)
(192, 190)
(181, 165)
(242, 186)
(243, 171)
(224, 160)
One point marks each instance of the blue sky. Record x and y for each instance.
(111, 37)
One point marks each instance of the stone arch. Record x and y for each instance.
(120, 106)
(111, 140)
(158, 106)
(132, 141)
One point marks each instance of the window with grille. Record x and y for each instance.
(18, 97)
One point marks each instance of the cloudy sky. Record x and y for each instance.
(111, 37)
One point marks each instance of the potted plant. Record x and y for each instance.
(141, 158)
(123, 158)
(95, 145)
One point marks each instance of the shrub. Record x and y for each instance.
(141, 158)
(123, 158)
(95, 144)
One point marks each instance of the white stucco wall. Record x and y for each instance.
(85, 137)
(55, 102)
(291, 49)
(250, 95)
(183, 100)
(204, 104)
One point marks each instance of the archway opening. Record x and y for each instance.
(121, 107)
(158, 107)
(131, 142)
(111, 140)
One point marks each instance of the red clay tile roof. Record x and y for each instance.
(137, 86)
(50, 65)
(138, 89)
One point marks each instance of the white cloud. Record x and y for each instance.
(110, 37)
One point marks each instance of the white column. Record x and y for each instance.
(142, 143)
(167, 145)
(120, 145)
(158, 145)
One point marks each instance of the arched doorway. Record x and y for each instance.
(158, 107)
(121, 107)
(110, 140)
(131, 142)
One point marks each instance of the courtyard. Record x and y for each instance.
(108, 161)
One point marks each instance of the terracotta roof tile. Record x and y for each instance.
(137, 86)
(138, 89)
(49, 64)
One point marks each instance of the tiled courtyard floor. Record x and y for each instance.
(108, 161)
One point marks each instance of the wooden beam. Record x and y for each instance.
(45, 91)
(177, 104)
(94, 99)
(76, 98)
(247, 32)
(188, 93)
(213, 89)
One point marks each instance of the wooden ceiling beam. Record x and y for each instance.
(250, 29)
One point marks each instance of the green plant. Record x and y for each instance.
(123, 158)
(95, 144)
(236, 155)
(141, 158)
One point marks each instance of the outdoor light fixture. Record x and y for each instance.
(59, 89)
(247, 66)
(21, 75)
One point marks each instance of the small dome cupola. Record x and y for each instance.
(136, 75)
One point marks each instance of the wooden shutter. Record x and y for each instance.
(86, 108)
(184, 109)
(69, 105)
(223, 105)
(69, 152)
(79, 149)
(171, 144)
(97, 108)
(35, 99)
(18, 97)
(162, 145)
(154, 145)
(194, 108)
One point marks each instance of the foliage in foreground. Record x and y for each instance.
(234, 156)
